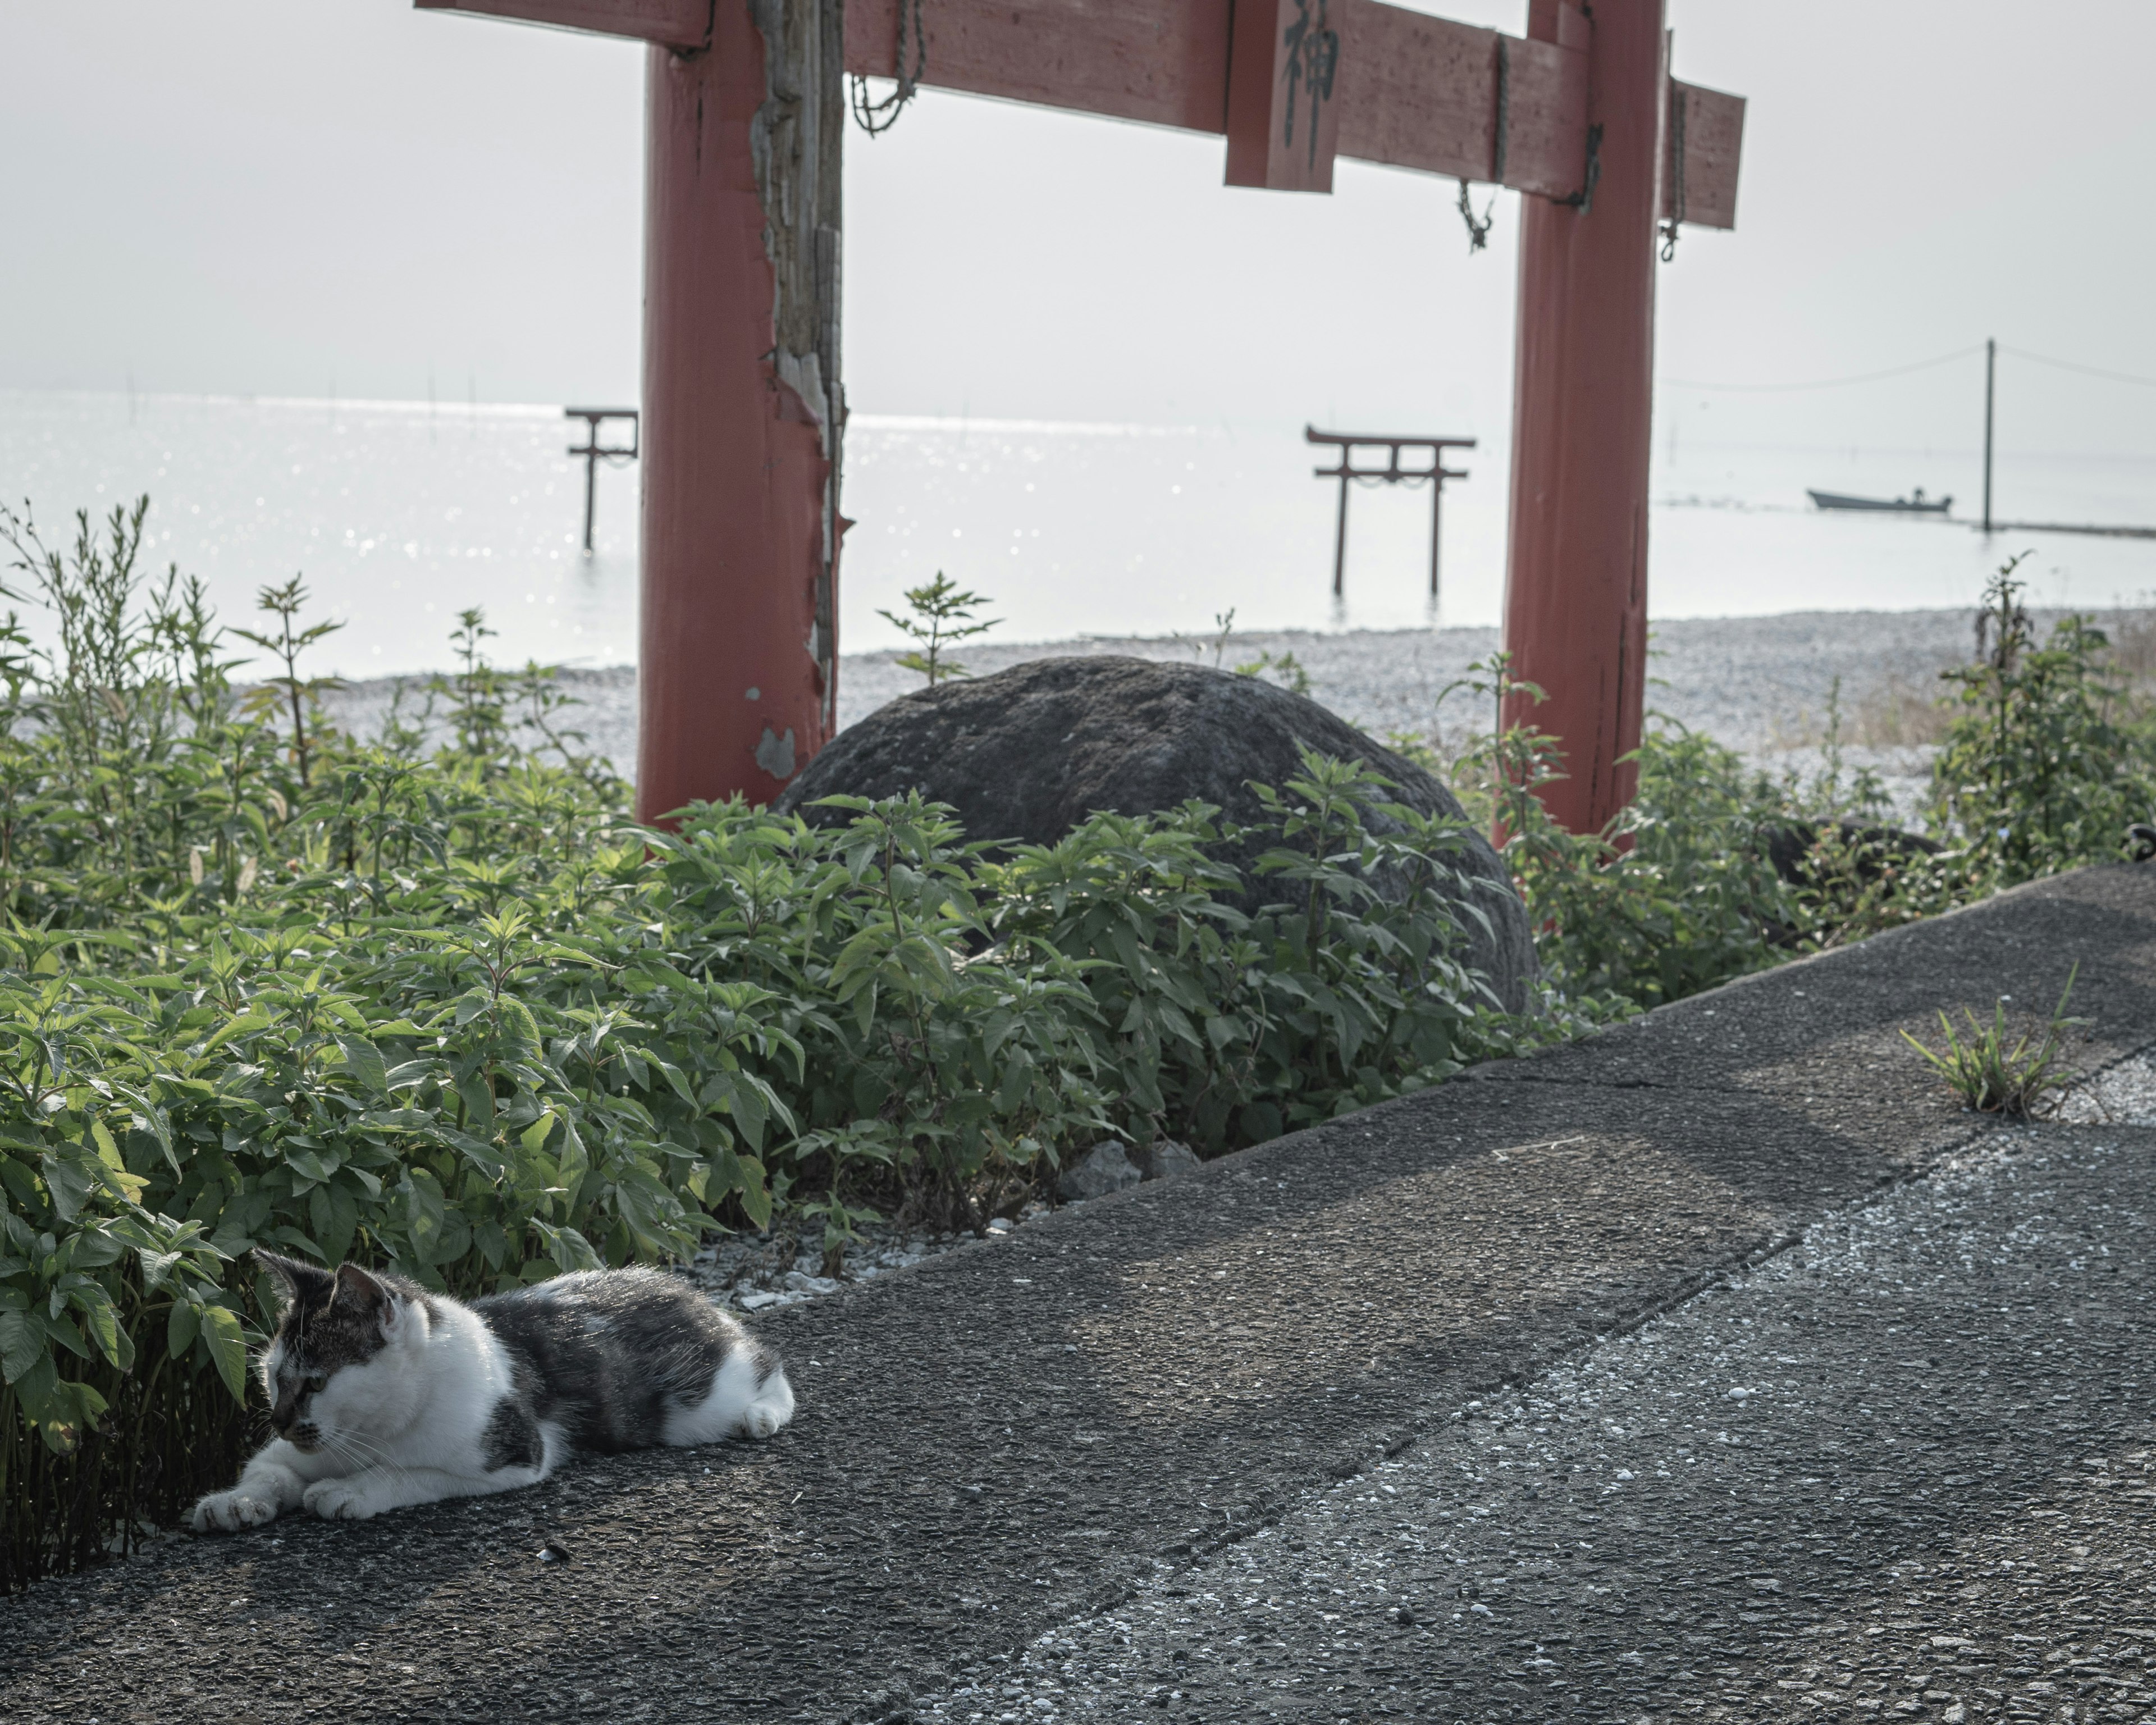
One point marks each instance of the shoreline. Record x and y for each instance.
(1763, 686)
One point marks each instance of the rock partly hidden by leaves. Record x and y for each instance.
(1806, 854)
(1165, 1159)
(1104, 1169)
(1027, 755)
(1110, 1167)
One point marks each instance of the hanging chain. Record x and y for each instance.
(1676, 178)
(873, 117)
(1478, 232)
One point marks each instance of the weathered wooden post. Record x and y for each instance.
(593, 452)
(743, 410)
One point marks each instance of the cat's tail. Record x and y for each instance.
(749, 1397)
(773, 1405)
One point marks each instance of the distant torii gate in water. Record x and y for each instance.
(743, 413)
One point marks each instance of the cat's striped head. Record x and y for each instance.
(332, 1323)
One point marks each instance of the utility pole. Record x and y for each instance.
(1991, 366)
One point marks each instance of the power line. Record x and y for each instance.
(1922, 365)
(2067, 365)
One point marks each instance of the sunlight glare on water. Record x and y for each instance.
(401, 514)
(398, 515)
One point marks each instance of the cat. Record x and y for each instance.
(384, 1394)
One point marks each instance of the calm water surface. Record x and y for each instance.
(401, 514)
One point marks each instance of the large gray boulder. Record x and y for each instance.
(1027, 754)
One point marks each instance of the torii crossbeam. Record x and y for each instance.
(743, 413)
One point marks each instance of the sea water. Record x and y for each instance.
(400, 515)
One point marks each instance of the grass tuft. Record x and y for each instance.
(1993, 1075)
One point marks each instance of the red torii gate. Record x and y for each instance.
(743, 412)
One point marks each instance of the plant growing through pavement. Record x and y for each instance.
(1992, 1075)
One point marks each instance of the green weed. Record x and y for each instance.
(942, 611)
(2049, 757)
(1290, 673)
(1994, 1075)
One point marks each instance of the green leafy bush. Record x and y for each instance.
(1237, 1027)
(1677, 895)
(2050, 756)
(444, 1009)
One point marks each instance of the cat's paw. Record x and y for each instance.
(760, 1419)
(340, 1501)
(229, 1511)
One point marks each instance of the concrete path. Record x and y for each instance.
(1050, 1434)
(1907, 1470)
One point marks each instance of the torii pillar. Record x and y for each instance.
(743, 415)
(1583, 408)
(742, 409)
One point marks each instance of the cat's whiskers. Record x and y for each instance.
(369, 1451)
(364, 1452)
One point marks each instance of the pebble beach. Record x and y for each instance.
(1762, 684)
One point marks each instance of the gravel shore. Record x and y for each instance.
(1762, 684)
(1755, 682)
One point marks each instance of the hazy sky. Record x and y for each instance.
(310, 196)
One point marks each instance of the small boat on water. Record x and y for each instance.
(1914, 504)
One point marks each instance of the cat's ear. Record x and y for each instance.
(359, 1293)
(292, 1276)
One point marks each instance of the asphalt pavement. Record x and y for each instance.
(1905, 1469)
(1048, 1434)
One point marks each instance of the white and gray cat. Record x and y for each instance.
(384, 1394)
